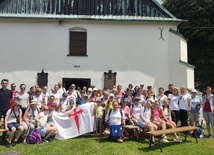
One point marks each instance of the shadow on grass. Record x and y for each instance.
(164, 145)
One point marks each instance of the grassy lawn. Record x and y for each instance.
(103, 146)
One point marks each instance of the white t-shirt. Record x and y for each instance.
(12, 117)
(39, 100)
(183, 101)
(166, 112)
(23, 99)
(64, 104)
(142, 99)
(146, 113)
(115, 117)
(43, 118)
(136, 110)
(161, 100)
(174, 102)
(58, 97)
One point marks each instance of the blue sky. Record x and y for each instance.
(159, 1)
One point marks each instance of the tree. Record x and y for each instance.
(199, 30)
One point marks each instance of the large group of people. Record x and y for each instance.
(115, 107)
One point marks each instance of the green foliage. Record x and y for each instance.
(200, 32)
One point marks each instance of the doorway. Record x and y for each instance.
(79, 82)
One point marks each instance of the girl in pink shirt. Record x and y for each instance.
(157, 120)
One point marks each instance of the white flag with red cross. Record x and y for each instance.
(75, 122)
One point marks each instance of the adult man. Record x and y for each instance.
(45, 95)
(170, 87)
(5, 97)
(115, 117)
(14, 94)
(61, 88)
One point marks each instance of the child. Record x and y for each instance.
(13, 120)
(157, 120)
(45, 130)
(98, 112)
(166, 116)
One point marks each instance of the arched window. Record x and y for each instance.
(78, 42)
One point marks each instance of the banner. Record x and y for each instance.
(75, 122)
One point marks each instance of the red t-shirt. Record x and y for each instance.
(207, 106)
(14, 94)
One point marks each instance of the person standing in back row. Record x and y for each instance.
(5, 97)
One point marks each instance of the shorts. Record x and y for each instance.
(16, 125)
(142, 124)
(43, 131)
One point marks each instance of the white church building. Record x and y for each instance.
(77, 41)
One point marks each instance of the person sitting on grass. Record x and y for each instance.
(115, 117)
(161, 124)
(145, 118)
(13, 120)
(166, 116)
(46, 131)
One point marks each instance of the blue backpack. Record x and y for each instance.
(199, 132)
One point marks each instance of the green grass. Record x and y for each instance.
(102, 146)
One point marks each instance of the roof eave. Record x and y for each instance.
(85, 17)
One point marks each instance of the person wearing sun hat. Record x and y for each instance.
(28, 118)
(13, 120)
(195, 108)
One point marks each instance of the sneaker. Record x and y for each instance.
(45, 141)
(13, 143)
(165, 139)
(7, 144)
(177, 140)
(120, 140)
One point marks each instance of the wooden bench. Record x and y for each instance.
(159, 133)
(133, 127)
(2, 130)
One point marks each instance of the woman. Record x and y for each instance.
(135, 110)
(208, 105)
(145, 118)
(127, 112)
(38, 97)
(51, 102)
(155, 119)
(174, 98)
(23, 98)
(65, 104)
(13, 120)
(184, 106)
(161, 97)
(166, 116)
(45, 130)
(195, 108)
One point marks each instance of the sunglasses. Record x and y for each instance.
(45, 109)
(13, 86)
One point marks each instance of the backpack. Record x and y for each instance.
(120, 114)
(199, 132)
(34, 137)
